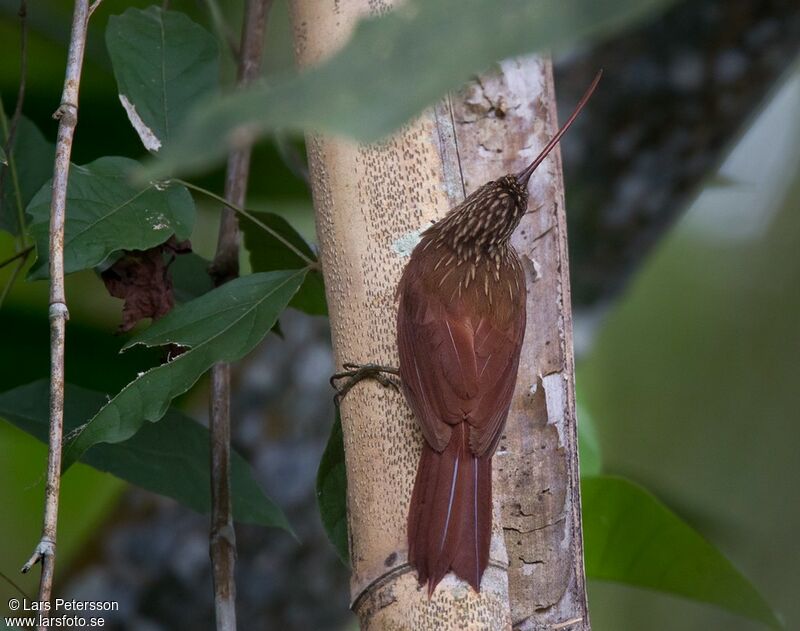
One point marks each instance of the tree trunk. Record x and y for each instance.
(371, 202)
(502, 122)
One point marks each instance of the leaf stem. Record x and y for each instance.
(67, 115)
(312, 264)
(11, 280)
(20, 257)
(22, 254)
(13, 584)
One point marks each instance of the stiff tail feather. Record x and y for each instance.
(450, 519)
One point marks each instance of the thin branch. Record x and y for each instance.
(23, 74)
(222, 537)
(22, 254)
(245, 212)
(11, 280)
(13, 584)
(21, 240)
(93, 7)
(20, 257)
(11, 130)
(67, 115)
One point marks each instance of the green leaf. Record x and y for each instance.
(164, 63)
(332, 491)
(107, 213)
(393, 67)
(311, 297)
(31, 165)
(169, 458)
(591, 459)
(268, 253)
(630, 537)
(190, 277)
(222, 325)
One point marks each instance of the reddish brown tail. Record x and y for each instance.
(450, 519)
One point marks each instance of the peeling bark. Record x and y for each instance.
(370, 203)
(502, 121)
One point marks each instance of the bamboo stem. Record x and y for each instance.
(371, 202)
(67, 115)
(222, 538)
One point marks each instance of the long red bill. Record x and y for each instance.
(524, 175)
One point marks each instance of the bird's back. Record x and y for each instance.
(460, 329)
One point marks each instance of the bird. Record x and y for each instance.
(460, 328)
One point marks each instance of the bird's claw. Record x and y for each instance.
(353, 373)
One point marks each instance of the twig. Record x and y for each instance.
(11, 280)
(20, 257)
(67, 114)
(13, 584)
(23, 74)
(245, 212)
(22, 254)
(12, 127)
(222, 539)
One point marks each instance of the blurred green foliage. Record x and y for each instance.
(693, 378)
(632, 538)
(170, 458)
(23, 461)
(391, 68)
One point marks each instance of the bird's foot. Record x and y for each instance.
(353, 373)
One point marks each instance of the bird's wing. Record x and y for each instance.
(497, 350)
(430, 347)
(456, 365)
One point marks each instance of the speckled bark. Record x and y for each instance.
(370, 202)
